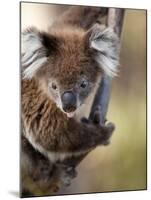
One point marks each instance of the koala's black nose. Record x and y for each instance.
(68, 101)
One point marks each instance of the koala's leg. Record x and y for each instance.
(45, 175)
(34, 163)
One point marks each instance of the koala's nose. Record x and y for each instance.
(68, 101)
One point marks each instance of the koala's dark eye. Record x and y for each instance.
(81, 73)
(83, 84)
(54, 86)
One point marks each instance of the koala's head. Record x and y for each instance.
(67, 63)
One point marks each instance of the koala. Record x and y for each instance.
(60, 68)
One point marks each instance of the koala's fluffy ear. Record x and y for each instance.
(105, 44)
(35, 49)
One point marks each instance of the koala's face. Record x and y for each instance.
(70, 74)
(67, 63)
(71, 98)
(71, 93)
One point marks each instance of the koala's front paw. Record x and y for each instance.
(103, 131)
(106, 131)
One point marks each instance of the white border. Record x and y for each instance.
(9, 99)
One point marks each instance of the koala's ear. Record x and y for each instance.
(105, 44)
(35, 48)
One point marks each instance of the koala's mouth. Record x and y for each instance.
(69, 103)
(70, 114)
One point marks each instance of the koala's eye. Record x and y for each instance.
(53, 85)
(81, 73)
(84, 84)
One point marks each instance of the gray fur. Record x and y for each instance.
(33, 52)
(106, 43)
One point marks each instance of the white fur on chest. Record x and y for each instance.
(52, 156)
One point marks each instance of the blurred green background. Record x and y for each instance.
(122, 164)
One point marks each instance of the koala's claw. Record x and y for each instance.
(68, 175)
(110, 127)
(85, 120)
(71, 172)
(97, 116)
(107, 132)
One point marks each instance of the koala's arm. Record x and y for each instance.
(77, 136)
(82, 136)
